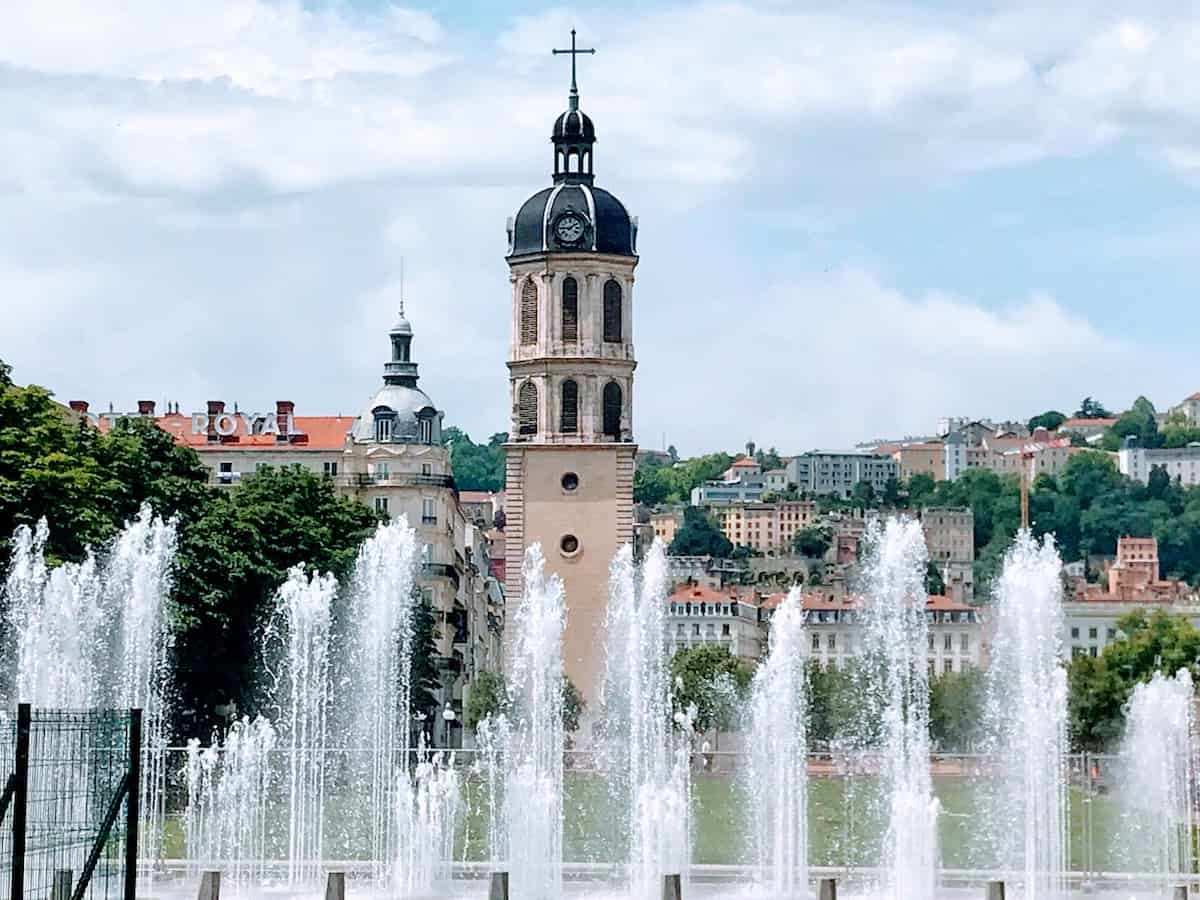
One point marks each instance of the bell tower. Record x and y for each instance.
(570, 455)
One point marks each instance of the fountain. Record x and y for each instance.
(296, 647)
(647, 760)
(373, 687)
(1158, 783)
(896, 645)
(531, 830)
(778, 773)
(97, 634)
(1025, 717)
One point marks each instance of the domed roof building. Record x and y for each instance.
(399, 412)
(573, 214)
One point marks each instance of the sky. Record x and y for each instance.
(854, 218)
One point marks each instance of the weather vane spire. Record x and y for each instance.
(574, 97)
(402, 287)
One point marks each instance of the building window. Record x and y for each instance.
(696, 629)
(1075, 633)
(612, 410)
(529, 315)
(383, 430)
(964, 642)
(831, 642)
(948, 666)
(426, 431)
(612, 312)
(527, 403)
(570, 407)
(725, 630)
(816, 642)
(428, 511)
(426, 469)
(381, 505)
(1092, 634)
(329, 468)
(569, 545)
(379, 471)
(570, 483)
(948, 642)
(570, 309)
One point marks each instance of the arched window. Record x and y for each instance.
(570, 407)
(570, 309)
(612, 312)
(529, 299)
(612, 410)
(527, 409)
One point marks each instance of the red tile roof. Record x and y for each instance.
(475, 496)
(1095, 423)
(315, 433)
(698, 593)
(852, 601)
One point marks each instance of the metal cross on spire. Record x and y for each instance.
(574, 101)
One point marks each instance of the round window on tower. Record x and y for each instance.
(569, 545)
(570, 482)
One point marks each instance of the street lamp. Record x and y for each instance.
(448, 716)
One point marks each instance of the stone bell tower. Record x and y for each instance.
(570, 455)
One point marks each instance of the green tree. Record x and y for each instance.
(652, 483)
(699, 536)
(476, 467)
(486, 697)
(891, 492)
(768, 459)
(573, 706)
(1049, 420)
(934, 583)
(921, 488)
(812, 542)
(1100, 686)
(711, 680)
(862, 496)
(956, 708)
(230, 561)
(1139, 422)
(1091, 409)
(423, 678)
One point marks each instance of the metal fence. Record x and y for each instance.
(70, 803)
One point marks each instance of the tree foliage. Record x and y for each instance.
(956, 701)
(1091, 409)
(1100, 686)
(656, 482)
(476, 467)
(713, 682)
(485, 698)
(1050, 420)
(699, 536)
(812, 542)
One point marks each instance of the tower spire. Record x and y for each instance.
(573, 97)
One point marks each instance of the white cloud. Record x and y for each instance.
(844, 358)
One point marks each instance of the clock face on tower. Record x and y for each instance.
(569, 228)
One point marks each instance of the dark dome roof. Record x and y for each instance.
(610, 229)
(574, 124)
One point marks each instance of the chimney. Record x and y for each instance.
(145, 407)
(80, 406)
(215, 408)
(284, 410)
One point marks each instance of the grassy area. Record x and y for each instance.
(844, 822)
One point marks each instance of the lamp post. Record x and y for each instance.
(448, 717)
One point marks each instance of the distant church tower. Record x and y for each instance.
(570, 456)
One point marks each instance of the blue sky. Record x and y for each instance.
(855, 218)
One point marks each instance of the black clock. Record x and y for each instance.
(569, 228)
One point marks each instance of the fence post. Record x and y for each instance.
(20, 801)
(210, 886)
(498, 889)
(133, 803)
(995, 890)
(672, 889)
(64, 882)
(827, 889)
(335, 886)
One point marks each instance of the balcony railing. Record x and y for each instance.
(396, 479)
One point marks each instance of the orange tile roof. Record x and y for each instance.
(1104, 423)
(704, 594)
(744, 463)
(318, 433)
(937, 602)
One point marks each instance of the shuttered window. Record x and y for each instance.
(570, 407)
(570, 309)
(612, 410)
(527, 409)
(529, 315)
(612, 312)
